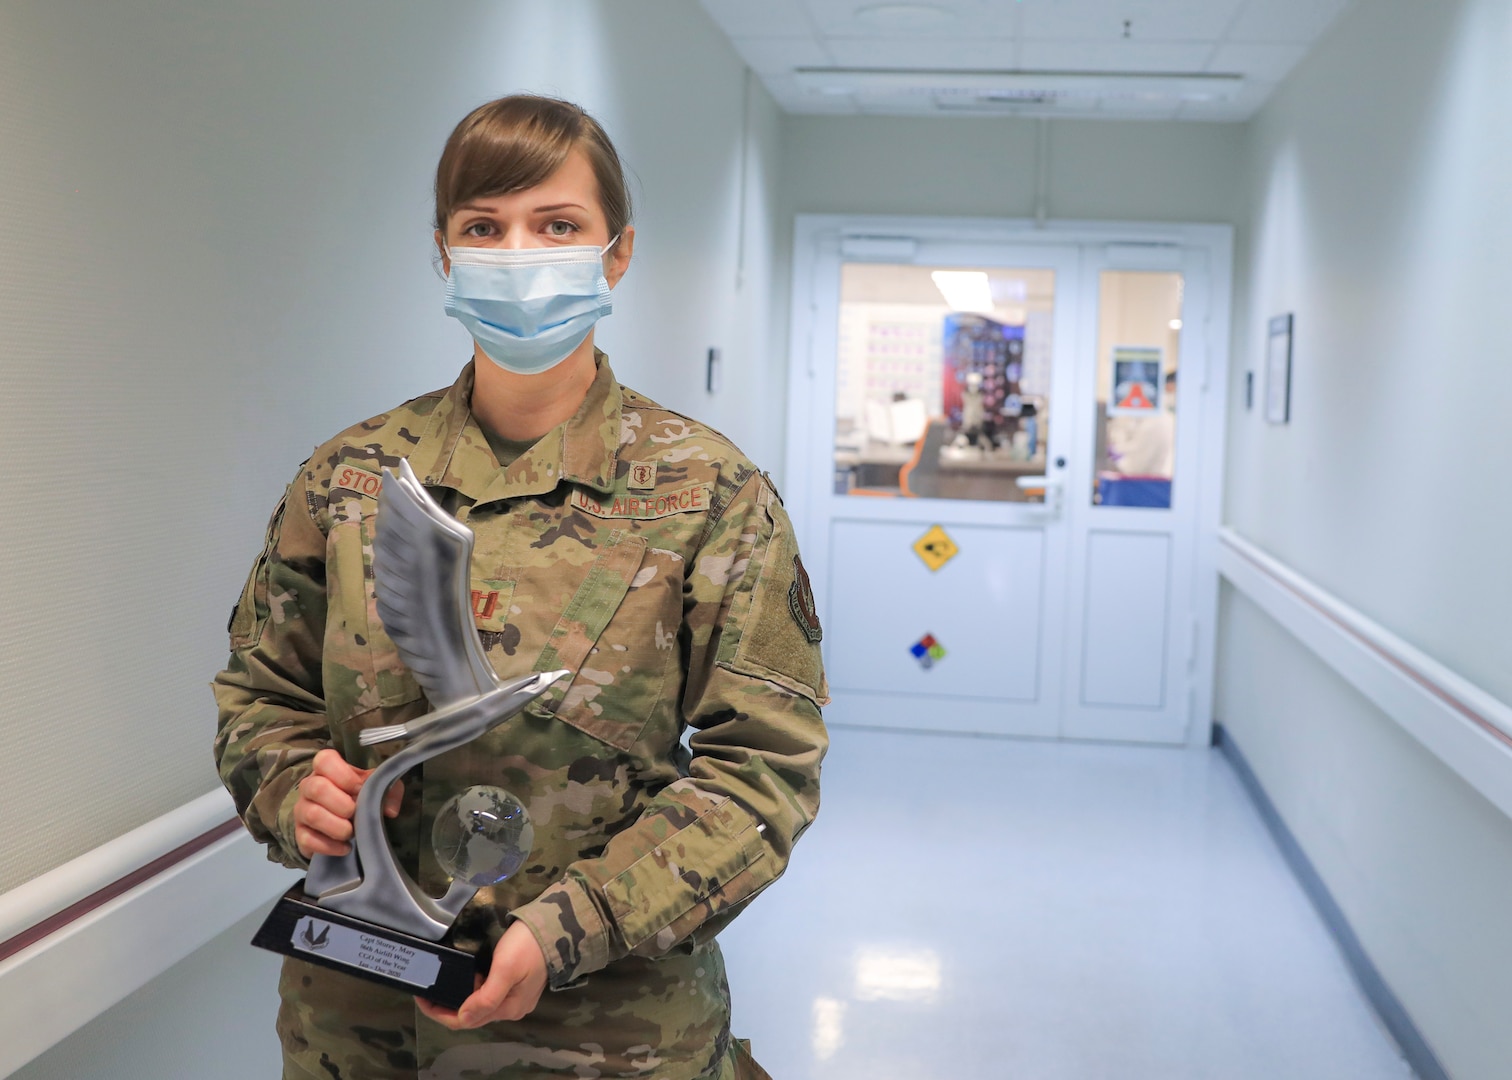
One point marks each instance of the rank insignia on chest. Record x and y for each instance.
(642, 476)
(484, 603)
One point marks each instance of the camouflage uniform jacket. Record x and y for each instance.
(643, 552)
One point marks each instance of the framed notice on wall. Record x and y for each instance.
(1278, 366)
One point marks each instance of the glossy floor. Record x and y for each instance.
(979, 908)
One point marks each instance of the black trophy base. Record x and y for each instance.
(299, 927)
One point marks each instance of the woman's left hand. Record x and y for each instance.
(516, 978)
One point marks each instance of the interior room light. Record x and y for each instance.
(887, 974)
(829, 1031)
(1175, 324)
(965, 290)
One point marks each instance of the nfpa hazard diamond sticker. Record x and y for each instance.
(927, 651)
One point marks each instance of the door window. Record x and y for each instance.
(1138, 354)
(942, 386)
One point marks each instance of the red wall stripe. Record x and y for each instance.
(74, 912)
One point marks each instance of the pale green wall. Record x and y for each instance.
(985, 167)
(1380, 213)
(1419, 862)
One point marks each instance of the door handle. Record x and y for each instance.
(1052, 487)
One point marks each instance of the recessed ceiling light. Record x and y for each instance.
(965, 290)
(1175, 324)
(904, 16)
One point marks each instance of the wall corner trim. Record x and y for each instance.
(96, 929)
(1464, 726)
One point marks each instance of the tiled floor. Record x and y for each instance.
(981, 908)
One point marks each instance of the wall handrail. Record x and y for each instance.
(98, 928)
(32, 910)
(1467, 727)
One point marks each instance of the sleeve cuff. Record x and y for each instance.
(570, 931)
(284, 847)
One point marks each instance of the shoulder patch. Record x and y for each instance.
(801, 604)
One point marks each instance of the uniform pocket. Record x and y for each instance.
(251, 612)
(772, 631)
(617, 635)
(681, 872)
(361, 665)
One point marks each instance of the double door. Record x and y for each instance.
(1003, 505)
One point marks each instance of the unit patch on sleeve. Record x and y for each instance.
(642, 476)
(801, 604)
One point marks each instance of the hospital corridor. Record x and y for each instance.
(920, 541)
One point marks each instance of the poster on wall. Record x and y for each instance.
(993, 351)
(1137, 381)
(1278, 362)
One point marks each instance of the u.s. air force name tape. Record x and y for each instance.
(366, 951)
(646, 506)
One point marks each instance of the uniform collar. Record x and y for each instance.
(584, 450)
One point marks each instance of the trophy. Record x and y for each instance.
(361, 913)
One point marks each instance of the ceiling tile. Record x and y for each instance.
(1227, 113)
(1114, 56)
(773, 55)
(763, 18)
(896, 108)
(991, 53)
(1260, 39)
(795, 99)
(1268, 63)
(811, 106)
(1299, 21)
(1252, 97)
(1149, 20)
(1121, 109)
(969, 18)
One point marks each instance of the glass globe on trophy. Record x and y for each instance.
(482, 836)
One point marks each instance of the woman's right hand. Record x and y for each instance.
(328, 799)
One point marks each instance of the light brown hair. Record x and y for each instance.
(516, 142)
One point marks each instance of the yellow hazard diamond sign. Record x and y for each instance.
(936, 548)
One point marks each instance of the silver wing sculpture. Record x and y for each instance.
(422, 559)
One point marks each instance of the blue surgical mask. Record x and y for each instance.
(528, 308)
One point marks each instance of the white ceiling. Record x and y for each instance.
(799, 49)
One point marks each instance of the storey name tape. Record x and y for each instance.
(361, 481)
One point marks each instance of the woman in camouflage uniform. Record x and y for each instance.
(613, 537)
